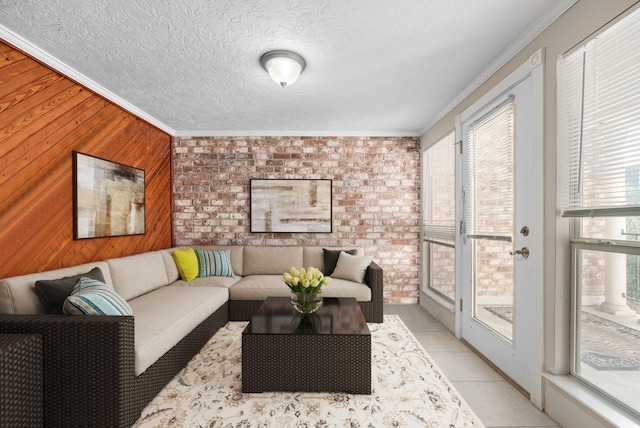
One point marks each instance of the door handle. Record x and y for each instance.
(524, 252)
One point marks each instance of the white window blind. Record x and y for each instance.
(490, 172)
(601, 106)
(440, 210)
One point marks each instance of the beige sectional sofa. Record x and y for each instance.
(112, 366)
(258, 275)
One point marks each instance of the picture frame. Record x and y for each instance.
(108, 198)
(291, 205)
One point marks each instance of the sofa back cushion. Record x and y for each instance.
(170, 266)
(18, 294)
(136, 275)
(271, 260)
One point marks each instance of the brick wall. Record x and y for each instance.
(376, 195)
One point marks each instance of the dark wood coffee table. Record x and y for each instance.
(328, 351)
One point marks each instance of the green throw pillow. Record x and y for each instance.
(214, 263)
(92, 297)
(187, 263)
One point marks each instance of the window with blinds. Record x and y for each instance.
(601, 85)
(440, 208)
(599, 126)
(490, 169)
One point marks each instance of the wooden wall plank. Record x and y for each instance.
(22, 118)
(44, 116)
(19, 154)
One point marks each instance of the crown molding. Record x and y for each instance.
(561, 7)
(62, 68)
(272, 133)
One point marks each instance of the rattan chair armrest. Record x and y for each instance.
(374, 279)
(88, 361)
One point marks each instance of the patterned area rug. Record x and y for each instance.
(409, 390)
(605, 344)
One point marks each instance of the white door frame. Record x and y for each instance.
(534, 68)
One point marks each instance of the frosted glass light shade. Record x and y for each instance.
(284, 67)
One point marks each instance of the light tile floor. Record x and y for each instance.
(496, 402)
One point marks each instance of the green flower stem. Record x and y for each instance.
(307, 298)
(308, 301)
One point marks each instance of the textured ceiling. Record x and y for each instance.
(192, 66)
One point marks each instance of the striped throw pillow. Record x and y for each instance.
(92, 297)
(214, 263)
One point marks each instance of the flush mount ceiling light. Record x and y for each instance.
(284, 67)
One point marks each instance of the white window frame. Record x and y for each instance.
(576, 241)
(446, 236)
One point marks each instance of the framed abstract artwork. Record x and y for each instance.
(108, 198)
(297, 205)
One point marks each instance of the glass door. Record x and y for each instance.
(489, 217)
(501, 229)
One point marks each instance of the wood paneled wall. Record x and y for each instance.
(44, 116)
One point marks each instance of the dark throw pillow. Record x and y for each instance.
(53, 292)
(331, 259)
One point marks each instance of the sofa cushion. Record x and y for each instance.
(209, 281)
(331, 259)
(344, 288)
(271, 260)
(170, 266)
(259, 287)
(352, 268)
(236, 253)
(165, 316)
(53, 292)
(187, 263)
(136, 275)
(93, 297)
(18, 294)
(214, 263)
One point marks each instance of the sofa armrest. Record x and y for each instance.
(88, 365)
(373, 277)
